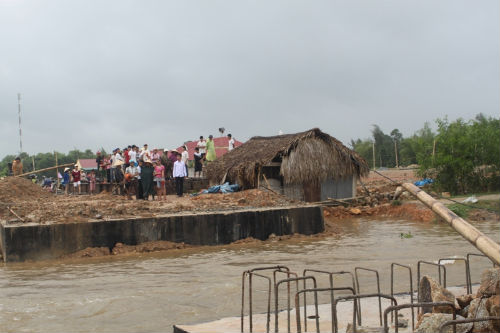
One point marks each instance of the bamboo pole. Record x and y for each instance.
(46, 169)
(482, 242)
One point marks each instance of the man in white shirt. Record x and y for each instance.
(230, 145)
(132, 154)
(185, 158)
(202, 144)
(144, 152)
(179, 173)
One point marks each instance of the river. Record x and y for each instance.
(151, 292)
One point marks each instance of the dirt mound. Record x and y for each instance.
(16, 189)
(248, 198)
(410, 211)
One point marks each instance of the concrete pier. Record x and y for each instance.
(32, 241)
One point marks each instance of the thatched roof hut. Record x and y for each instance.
(307, 157)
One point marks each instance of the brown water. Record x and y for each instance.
(150, 293)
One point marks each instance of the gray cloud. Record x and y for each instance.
(110, 73)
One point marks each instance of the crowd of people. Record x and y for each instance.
(144, 172)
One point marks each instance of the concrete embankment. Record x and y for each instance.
(32, 241)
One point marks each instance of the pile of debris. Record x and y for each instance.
(484, 303)
(23, 201)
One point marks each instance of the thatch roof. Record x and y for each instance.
(311, 156)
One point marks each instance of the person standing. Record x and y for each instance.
(132, 154)
(65, 181)
(159, 178)
(230, 144)
(139, 194)
(98, 161)
(131, 174)
(202, 145)
(211, 156)
(179, 174)
(92, 180)
(185, 158)
(76, 177)
(17, 167)
(147, 171)
(198, 166)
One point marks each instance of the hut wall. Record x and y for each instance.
(338, 189)
(294, 191)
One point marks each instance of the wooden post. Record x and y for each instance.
(396, 151)
(33, 161)
(373, 151)
(433, 151)
(57, 173)
(482, 242)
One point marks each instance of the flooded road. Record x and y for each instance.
(150, 293)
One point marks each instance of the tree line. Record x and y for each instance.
(461, 156)
(46, 160)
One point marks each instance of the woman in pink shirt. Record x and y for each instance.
(159, 178)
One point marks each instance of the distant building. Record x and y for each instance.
(221, 145)
(309, 166)
(86, 164)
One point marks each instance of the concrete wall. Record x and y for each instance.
(29, 241)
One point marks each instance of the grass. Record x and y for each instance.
(463, 211)
(396, 203)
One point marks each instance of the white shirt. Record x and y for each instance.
(185, 156)
(203, 146)
(132, 156)
(231, 145)
(117, 160)
(179, 169)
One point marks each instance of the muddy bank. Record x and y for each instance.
(334, 217)
(120, 248)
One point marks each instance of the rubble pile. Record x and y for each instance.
(484, 303)
(32, 204)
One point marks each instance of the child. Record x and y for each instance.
(159, 178)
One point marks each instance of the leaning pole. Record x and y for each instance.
(483, 243)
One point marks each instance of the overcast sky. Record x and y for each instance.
(112, 73)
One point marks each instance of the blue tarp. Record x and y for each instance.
(224, 188)
(423, 182)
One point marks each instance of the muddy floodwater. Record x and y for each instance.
(151, 292)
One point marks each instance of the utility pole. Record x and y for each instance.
(373, 151)
(19, 114)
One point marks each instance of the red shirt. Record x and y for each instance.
(127, 158)
(76, 176)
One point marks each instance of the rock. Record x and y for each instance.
(402, 323)
(431, 291)
(493, 308)
(490, 283)
(464, 312)
(478, 310)
(355, 211)
(431, 322)
(98, 216)
(464, 300)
